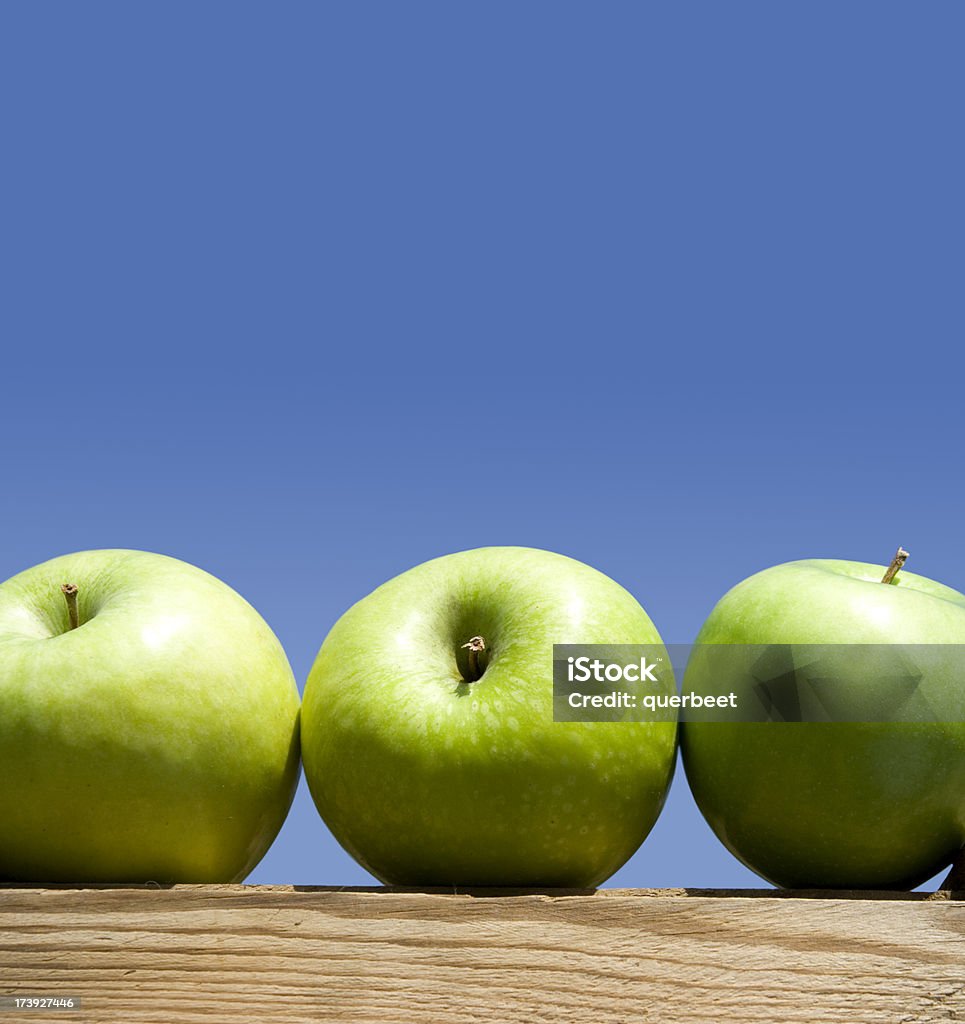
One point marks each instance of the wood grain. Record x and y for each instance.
(286, 954)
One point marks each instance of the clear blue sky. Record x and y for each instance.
(308, 293)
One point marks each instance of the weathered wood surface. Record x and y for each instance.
(283, 954)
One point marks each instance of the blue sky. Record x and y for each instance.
(309, 293)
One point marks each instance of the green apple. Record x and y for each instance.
(148, 724)
(873, 797)
(428, 735)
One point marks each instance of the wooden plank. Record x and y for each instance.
(287, 954)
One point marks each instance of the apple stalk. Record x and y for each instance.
(475, 646)
(69, 590)
(901, 556)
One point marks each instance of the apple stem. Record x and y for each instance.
(475, 647)
(897, 562)
(69, 590)
(955, 879)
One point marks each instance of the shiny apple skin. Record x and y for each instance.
(429, 780)
(872, 804)
(158, 741)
